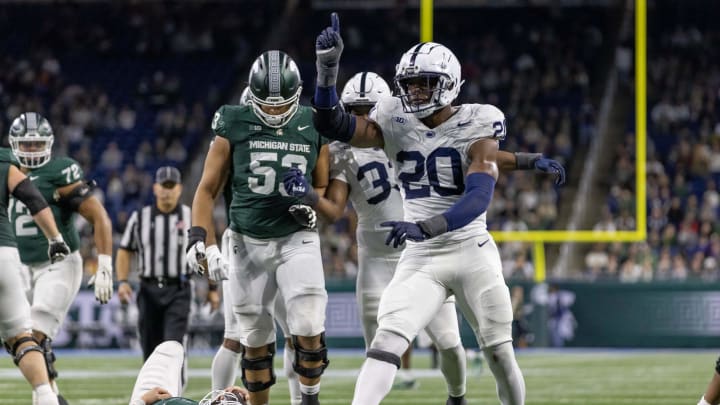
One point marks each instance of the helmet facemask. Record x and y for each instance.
(274, 82)
(427, 79)
(31, 139)
(220, 397)
(422, 94)
(275, 120)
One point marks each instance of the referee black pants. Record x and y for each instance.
(163, 313)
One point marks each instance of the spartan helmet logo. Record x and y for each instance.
(31, 138)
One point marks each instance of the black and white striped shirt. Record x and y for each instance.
(159, 239)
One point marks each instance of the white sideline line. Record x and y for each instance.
(10, 373)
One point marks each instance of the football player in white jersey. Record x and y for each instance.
(366, 177)
(447, 161)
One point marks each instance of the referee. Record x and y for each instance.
(156, 238)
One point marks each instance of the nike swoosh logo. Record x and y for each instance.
(302, 127)
(305, 242)
(464, 124)
(483, 243)
(33, 178)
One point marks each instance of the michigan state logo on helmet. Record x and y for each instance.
(31, 138)
(275, 87)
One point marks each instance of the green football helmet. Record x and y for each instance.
(31, 139)
(274, 81)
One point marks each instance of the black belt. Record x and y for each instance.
(162, 281)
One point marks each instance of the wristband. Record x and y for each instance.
(526, 161)
(196, 234)
(434, 226)
(105, 261)
(57, 239)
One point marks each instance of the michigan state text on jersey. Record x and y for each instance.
(260, 154)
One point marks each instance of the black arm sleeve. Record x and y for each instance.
(334, 123)
(79, 194)
(26, 192)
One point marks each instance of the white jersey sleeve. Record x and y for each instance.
(480, 121)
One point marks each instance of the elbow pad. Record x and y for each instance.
(26, 192)
(334, 123)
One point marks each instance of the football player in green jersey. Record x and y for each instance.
(53, 286)
(15, 323)
(271, 254)
(227, 359)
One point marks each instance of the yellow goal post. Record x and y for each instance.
(539, 238)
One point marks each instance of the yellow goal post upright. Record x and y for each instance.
(539, 238)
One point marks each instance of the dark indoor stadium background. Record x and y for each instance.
(614, 276)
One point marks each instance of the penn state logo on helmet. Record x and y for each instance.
(427, 78)
(364, 90)
(31, 139)
(275, 84)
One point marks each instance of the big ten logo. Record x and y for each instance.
(91, 325)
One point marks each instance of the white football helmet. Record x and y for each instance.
(364, 89)
(434, 73)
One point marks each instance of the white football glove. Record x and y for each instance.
(217, 265)
(197, 258)
(103, 279)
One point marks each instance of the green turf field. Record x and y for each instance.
(572, 377)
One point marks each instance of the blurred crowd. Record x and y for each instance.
(125, 94)
(683, 168)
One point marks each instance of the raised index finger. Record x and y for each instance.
(335, 22)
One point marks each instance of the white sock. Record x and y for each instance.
(224, 368)
(404, 374)
(508, 377)
(309, 389)
(44, 395)
(374, 382)
(453, 365)
(292, 377)
(703, 401)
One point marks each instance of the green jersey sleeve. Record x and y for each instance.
(64, 171)
(219, 123)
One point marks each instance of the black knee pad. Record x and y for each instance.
(49, 357)
(260, 363)
(310, 355)
(18, 355)
(717, 366)
(382, 355)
